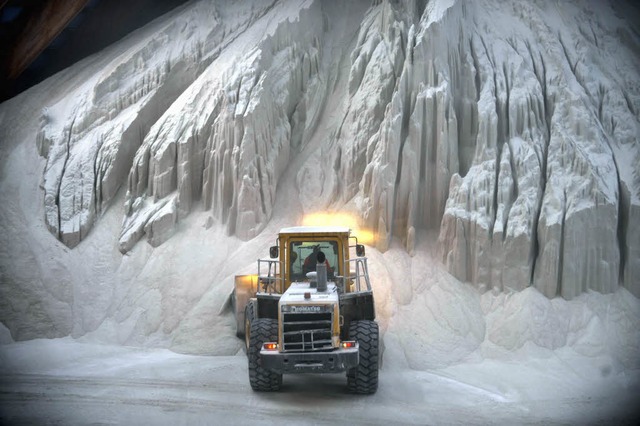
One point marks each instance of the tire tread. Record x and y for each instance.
(261, 379)
(363, 379)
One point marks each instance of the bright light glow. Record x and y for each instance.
(246, 284)
(340, 219)
(348, 344)
(270, 346)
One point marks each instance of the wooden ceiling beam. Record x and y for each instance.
(43, 25)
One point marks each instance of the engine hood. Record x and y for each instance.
(295, 294)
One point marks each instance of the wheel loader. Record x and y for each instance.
(309, 309)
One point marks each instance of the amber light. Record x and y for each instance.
(348, 344)
(270, 346)
(352, 221)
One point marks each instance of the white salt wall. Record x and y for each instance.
(227, 139)
(542, 203)
(501, 124)
(90, 135)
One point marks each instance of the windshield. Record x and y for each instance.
(304, 258)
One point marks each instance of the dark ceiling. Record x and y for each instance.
(42, 37)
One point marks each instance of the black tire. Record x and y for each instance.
(263, 380)
(249, 316)
(363, 379)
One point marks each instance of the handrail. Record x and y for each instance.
(270, 280)
(361, 272)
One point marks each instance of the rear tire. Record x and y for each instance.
(249, 317)
(363, 379)
(263, 380)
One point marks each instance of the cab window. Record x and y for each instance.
(304, 258)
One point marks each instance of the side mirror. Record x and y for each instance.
(273, 252)
(359, 250)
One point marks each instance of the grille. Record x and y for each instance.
(306, 331)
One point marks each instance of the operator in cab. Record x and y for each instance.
(317, 256)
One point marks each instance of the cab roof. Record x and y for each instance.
(316, 230)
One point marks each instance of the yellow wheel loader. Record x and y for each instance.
(309, 309)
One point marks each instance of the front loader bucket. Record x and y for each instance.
(244, 289)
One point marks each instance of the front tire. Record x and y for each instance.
(363, 379)
(263, 380)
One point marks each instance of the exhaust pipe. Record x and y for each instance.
(321, 270)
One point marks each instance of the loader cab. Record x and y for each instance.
(300, 246)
